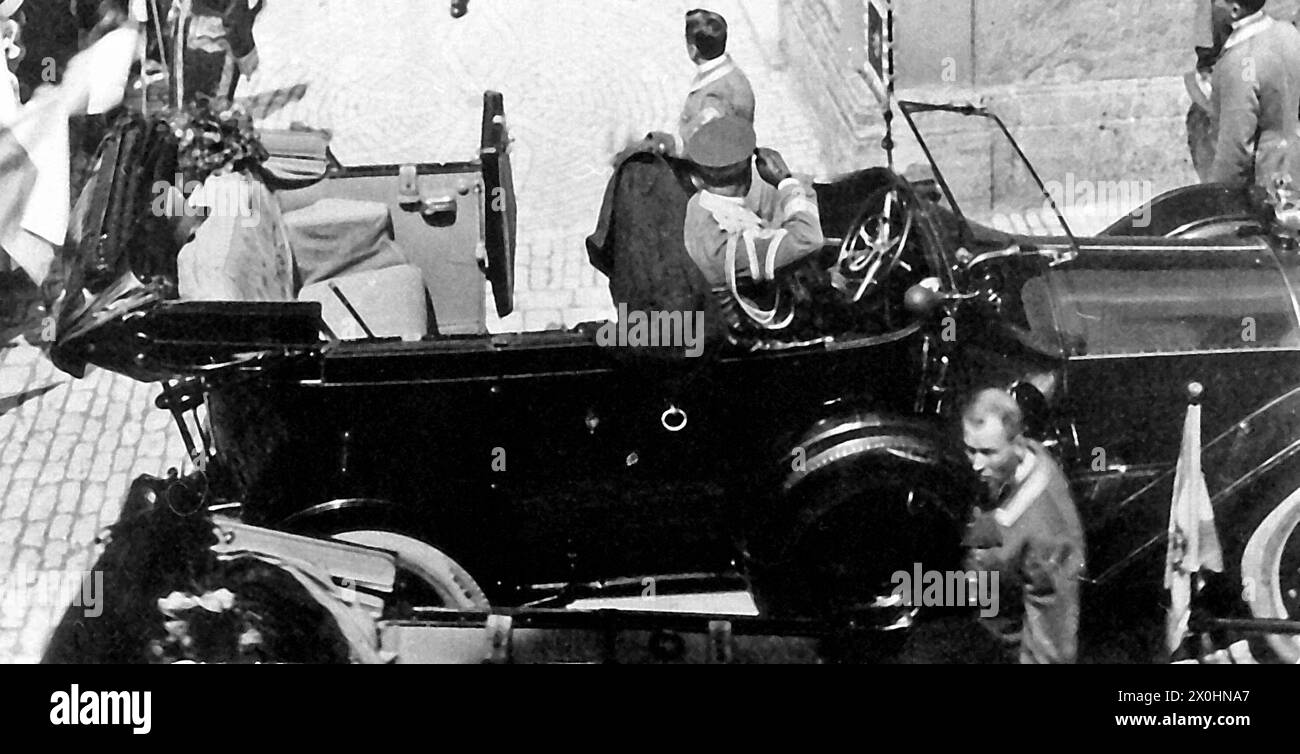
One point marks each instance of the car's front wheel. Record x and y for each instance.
(1270, 572)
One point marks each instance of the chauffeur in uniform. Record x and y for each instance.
(1033, 538)
(719, 89)
(742, 228)
(1256, 99)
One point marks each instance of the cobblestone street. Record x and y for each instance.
(400, 82)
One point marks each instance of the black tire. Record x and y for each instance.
(852, 526)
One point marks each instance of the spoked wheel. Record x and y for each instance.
(426, 577)
(874, 245)
(1270, 571)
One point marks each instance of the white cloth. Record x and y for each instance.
(1193, 539)
(94, 83)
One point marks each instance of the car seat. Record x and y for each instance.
(390, 302)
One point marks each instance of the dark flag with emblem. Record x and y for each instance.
(877, 69)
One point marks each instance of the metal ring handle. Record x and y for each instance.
(674, 419)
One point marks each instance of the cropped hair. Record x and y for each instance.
(708, 32)
(994, 404)
(1253, 6)
(732, 175)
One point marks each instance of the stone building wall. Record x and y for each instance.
(1092, 89)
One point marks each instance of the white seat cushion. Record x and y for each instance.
(392, 302)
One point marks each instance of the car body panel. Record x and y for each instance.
(545, 458)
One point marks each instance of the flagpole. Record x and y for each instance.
(888, 143)
(1195, 394)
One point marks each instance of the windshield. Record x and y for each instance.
(987, 179)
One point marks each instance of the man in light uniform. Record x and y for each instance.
(739, 228)
(1033, 538)
(720, 89)
(1256, 99)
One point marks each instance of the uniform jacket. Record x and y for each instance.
(638, 245)
(720, 89)
(749, 239)
(1256, 103)
(1040, 562)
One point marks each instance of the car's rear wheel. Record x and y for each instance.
(1270, 572)
(426, 577)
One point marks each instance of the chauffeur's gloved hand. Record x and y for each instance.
(771, 166)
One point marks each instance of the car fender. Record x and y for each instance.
(854, 437)
(1199, 211)
(384, 525)
(325, 519)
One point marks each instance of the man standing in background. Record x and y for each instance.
(1256, 99)
(1213, 27)
(220, 47)
(720, 89)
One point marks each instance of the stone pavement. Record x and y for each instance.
(399, 82)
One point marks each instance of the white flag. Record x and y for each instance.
(35, 177)
(1193, 540)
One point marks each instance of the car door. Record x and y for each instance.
(1148, 318)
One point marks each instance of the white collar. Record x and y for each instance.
(1026, 467)
(712, 71)
(708, 197)
(709, 66)
(1247, 28)
(1016, 504)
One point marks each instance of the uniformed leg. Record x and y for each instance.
(1051, 625)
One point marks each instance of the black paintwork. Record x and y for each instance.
(536, 459)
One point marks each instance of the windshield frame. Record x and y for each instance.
(910, 108)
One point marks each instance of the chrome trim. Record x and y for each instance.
(1169, 247)
(1167, 354)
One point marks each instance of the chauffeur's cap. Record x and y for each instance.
(722, 143)
(9, 7)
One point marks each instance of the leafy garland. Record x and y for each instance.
(215, 137)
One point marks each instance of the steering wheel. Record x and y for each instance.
(874, 245)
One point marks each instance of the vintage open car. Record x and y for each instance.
(811, 464)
